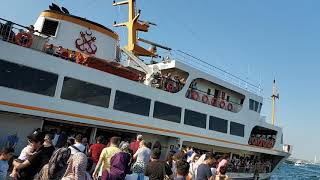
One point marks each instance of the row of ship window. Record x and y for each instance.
(41, 82)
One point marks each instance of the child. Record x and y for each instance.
(26, 152)
(5, 156)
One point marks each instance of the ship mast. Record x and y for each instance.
(134, 25)
(274, 96)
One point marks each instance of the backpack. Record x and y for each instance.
(58, 162)
(119, 167)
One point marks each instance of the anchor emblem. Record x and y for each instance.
(86, 45)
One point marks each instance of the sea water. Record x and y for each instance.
(290, 171)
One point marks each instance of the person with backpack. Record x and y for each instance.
(105, 157)
(77, 146)
(76, 169)
(119, 164)
(55, 169)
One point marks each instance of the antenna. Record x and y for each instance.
(134, 25)
(274, 96)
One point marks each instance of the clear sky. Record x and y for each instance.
(252, 39)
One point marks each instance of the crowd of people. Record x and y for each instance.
(55, 156)
(248, 164)
(262, 140)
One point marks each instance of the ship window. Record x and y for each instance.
(167, 112)
(84, 92)
(193, 118)
(237, 129)
(260, 107)
(218, 124)
(131, 103)
(251, 104)
(256, 106)
(49, 27)
(28, 79)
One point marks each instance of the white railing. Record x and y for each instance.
(287, 148)
(9, 31)
(213, 70)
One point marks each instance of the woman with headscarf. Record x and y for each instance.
(119, 164)
(76, 169)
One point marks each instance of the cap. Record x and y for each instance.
(37, 136)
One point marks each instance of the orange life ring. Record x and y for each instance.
(222, 104)
(195, 95)
(24, 39)
(170, 86)
(205, 99)
(230, 107)
(213, 101)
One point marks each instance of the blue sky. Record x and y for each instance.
(249, 38)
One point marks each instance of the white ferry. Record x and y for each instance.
(69, 73)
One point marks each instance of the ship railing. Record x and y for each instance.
(260, 168)
(212, 100)
(9, 30)
(216, 71)
(287, 148)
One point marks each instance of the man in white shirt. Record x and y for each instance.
(77, 146)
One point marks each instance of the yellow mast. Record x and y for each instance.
(274, 97)
(134, 26)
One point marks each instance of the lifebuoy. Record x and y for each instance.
(222, 104)
(195, 95)
(24, 39)
(213, 101)
(230, 107)
(170, 86)
(205, 99)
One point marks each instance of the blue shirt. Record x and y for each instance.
(180, 178)
(3, 169)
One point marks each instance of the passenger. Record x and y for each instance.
(77, 146)
(182, 170)
(157, 169)
(62, 140)
(142, 157)
(5, 156)
(26, 152)
(203, 171)
(157, 144)
(72, 56)
(96, 149)
(119, 164)
(149, 144)
(134, 146)
(106, 154)
(223, 162)
(29, 168)
(76, 169)
(84, 142)
(222, 174)
(31, 30)
(58, 164)
(192, 169)
(50, 49)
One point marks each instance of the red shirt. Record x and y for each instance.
(134, 146)
(96, 150)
